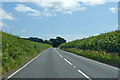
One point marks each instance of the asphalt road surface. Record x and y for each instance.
(56, 63)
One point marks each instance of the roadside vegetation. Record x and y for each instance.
(16, 51)
(104, 48)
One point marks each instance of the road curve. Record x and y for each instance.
(56, 63)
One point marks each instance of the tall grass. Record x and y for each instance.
(110, 59)
(16, 51)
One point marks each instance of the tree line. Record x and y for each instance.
(54, 42)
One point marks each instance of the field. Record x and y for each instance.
(104, 47)
(16, 51)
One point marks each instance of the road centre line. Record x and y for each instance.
(84, 75)
(60, 56)
(76, 67)
(68, 61)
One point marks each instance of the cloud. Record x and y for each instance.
(2, 24)
(63, 6)
(25, 9)
(56, 0)
(32, 12)
(118, 27)
(47, 12)
(23, 31)
(68, 37)
(92, 2)
(113, 10)
(6, 15)
(112, 0)
(51, 7)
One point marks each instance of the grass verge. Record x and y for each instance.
(103, 57)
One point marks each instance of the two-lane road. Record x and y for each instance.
(56, 63)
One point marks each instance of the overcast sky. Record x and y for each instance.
(70, 19)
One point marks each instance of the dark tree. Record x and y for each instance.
(47, 42)
(35, 39)
(56, 42)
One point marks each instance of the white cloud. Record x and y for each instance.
(63, 6)
(33, 12)
(2, 24)
(95, 34)
(68, 37)
(68, 12)
(6, 15)
(50, 7)
(118, 27)
(112, 9)
(54, 0)
(23, 31)
(46, 12)
(92, 2)
(112, 0)
(25, 9)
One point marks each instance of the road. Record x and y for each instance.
(56, 63)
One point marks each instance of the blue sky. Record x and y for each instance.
(69, 20)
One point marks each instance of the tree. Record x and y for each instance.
(47, 42)
(35, 39)
(56, 42)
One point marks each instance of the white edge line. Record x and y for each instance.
(94, 61)
(84, 75)
(23, 66)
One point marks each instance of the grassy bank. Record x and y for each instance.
(16, 51)
(103, 57)
(104, 47)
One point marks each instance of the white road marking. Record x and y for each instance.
(60, 56)
(92, 60)
(68, 61)
(24, 66)
(57, 52)
(84, 74)
(78, 69)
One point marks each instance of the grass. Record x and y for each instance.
(103, 57)
(16, 51)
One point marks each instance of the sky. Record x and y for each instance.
(70, 19)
